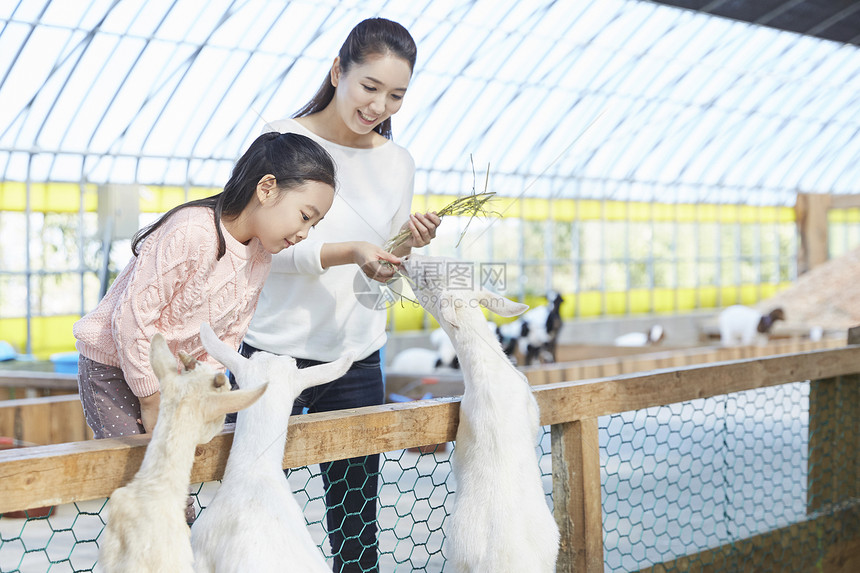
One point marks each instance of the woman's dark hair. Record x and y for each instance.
(292, 158)
(374, 36)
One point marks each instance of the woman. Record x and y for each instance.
(309, 308)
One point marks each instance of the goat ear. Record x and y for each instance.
(223, 403)
(220, 351)
(500, 305)
(316, 375)
(162, 361)
(448, 309)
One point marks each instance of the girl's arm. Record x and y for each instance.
(367, 256)
(149, 406)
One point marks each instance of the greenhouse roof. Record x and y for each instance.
(620, 99)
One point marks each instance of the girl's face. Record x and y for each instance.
(371, 92)
(284, 217)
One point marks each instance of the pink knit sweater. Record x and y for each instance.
(172, 286)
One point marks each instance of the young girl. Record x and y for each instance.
(203, 261)
(350, 116)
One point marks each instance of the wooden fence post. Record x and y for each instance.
(834, 438)
(576, 496)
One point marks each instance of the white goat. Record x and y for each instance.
(744, 325)
(254, 523)
(653, 337)
(146, 529)
(415, 361)
(500, 520)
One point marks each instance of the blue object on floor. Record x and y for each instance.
(65, 362)
(6, 351)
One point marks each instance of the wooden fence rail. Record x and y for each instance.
(49, 475)
(52, 420)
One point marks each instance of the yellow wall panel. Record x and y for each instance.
(407, 316)
(49, 334)
(686, 299)
(637, 211)
(640, 301)
(616, 302)
(707, 213)
(14, 331)
(767, 290)
(729, 296)
(664, 300)
(615, 210)
(708, 297)
(535, 209)
(749, 294)
(563, 209)
(664, 212)
(685, 213)
(727, 213)
(589, 209)
(590, 303)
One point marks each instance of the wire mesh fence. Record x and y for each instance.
(685, 486)
(416, 491)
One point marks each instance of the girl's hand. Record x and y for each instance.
(423, 229)
(149, 411)
(377, 263)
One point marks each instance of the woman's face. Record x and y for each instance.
(371, 92)
(285, 218)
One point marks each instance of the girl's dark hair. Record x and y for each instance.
(292, 158)
(374, 36)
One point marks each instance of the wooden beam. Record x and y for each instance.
(811, 218)
(841, 201)
(628, 392)
(48, 475)
(46, 380)
(43, 421)
(576, 495)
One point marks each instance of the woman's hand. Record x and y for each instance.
(422, 226)
(149, 411)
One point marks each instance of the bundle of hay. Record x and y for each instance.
(825, 296)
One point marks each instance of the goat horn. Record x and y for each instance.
(188, 361)
(220, 379)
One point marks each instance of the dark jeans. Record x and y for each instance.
(350, 485)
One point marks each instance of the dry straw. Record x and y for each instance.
(473, 205)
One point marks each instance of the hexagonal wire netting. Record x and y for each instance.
(676, 480)
(415, 495)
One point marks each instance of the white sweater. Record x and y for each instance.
(305, 311)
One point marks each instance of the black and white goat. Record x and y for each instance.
(744, 325)
(535, 334)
